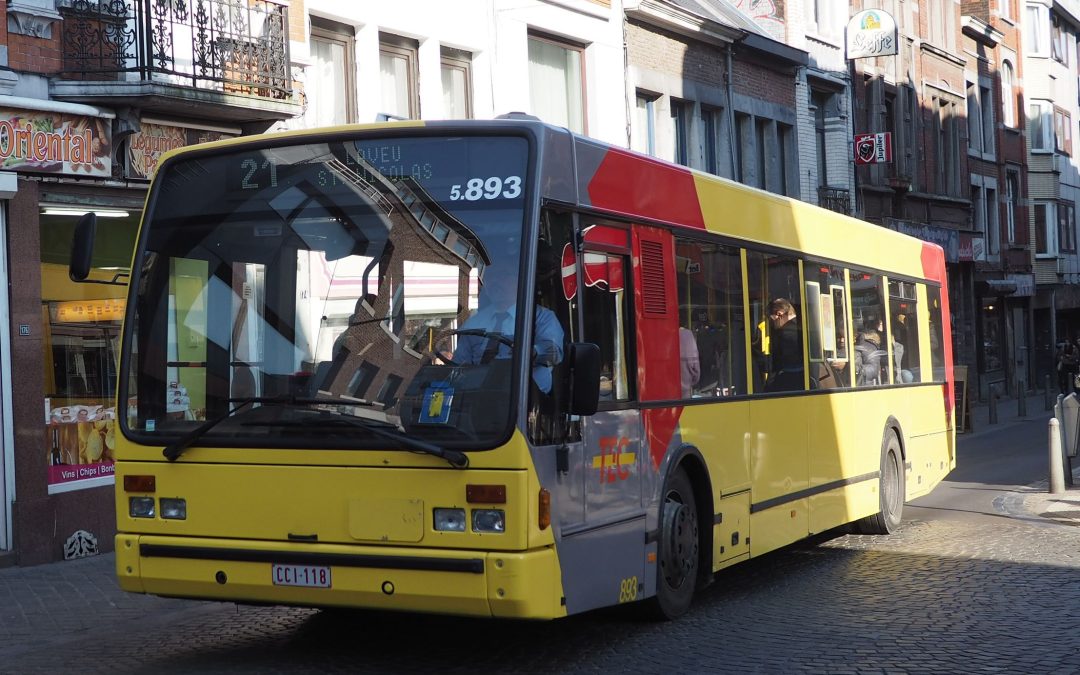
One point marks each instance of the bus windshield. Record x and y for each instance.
(294, 285)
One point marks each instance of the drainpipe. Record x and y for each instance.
(731, 113)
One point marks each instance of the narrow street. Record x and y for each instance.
(965, 586)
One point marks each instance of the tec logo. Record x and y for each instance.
(613, 461)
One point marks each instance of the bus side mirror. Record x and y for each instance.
(584, 378)
(82, 247)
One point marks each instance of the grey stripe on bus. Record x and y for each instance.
(810, 492)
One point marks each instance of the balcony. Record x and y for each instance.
(835, 199)
(214, 59)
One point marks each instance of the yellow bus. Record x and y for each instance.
(328, 396)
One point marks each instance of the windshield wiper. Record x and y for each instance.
(173, 450)
(456, 458)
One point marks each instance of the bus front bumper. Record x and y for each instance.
(468, 583)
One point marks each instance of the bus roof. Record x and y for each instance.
(634, 186)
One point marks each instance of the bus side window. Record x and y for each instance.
(710, 288)
(774, 293)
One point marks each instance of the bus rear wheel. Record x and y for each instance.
(890, 490)
(679, 549)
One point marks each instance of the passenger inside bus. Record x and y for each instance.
(785, 345)
(869, 354)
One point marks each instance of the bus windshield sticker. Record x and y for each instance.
(436, 405)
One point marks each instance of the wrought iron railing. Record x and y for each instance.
(234, 46)
(835, 199)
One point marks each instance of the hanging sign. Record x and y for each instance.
(871, 33)
(873, 148)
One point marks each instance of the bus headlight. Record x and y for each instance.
(449, 520)
(488, 520)
(141, 507)
(174, 509)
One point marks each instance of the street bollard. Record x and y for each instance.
(1057, 474)
(1021, 399)
(1049, 402)
(993, 406)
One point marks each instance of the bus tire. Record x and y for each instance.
(679, 549)
(890, 490)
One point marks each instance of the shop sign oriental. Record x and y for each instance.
(55, 143)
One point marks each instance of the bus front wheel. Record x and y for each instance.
(890, 490)
(679, 549)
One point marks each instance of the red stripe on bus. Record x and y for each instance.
(660, 425)
(933, 263)
(640, 186)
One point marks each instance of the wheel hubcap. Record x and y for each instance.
(679, 555)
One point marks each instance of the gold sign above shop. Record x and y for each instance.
(146, 146)
(55, 143)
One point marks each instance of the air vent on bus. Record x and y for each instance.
(653, 293)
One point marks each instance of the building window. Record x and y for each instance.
(980, 109)
(713, 141)
(785, 152)
(1062, 131)
(329, 89)
(1035, 36)
(399, 76)
(680, 130)
(820, 101)
(978, 209)
(1059, 39)
(975, 118)
(1045, 235)
(1008, 96)
(993, 222)
(456, 84)
(1066, 217)
(556, 83)
(941, 23)
(1012, 196)
(1005, 8)
(644, 130)
(744, 132)
(947, 147)
(1039, 120)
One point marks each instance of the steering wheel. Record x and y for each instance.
(478, 332)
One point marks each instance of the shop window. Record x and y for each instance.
(993, 345)
(81, 340)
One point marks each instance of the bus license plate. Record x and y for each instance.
(308, 576)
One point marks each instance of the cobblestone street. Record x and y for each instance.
(1001, 596)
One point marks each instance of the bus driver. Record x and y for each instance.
(496, 315)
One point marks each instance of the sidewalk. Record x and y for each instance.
(1034, 501)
